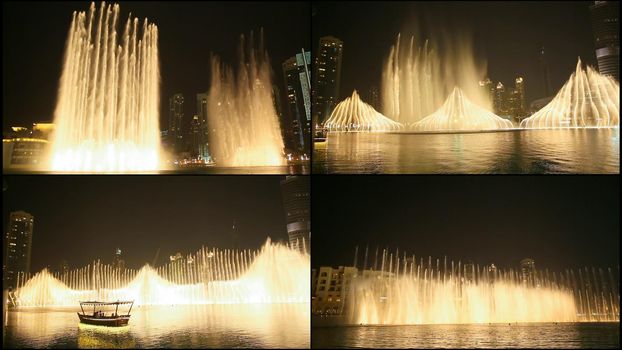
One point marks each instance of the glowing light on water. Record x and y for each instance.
(244, 127)
(352, 114)
(460, 114)
(416, 80)
(107, 109)
(401, 290)
(274, 274)
(588, 99)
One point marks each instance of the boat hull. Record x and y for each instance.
(118, 321)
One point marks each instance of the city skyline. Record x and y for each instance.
(562, 28)
(561, 222)
(140, 215)
(188, 33)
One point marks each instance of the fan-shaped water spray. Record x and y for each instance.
(107, 110)
(588, 99)
(352, 114)
(460, 114)
(244, 126)
(273, 274)
(401, 290)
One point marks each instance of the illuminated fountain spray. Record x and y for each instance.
(352, 114)
(243, 123)
(588, 99)
(416, 80)
(404, 291)
(107, 109)
(273, 274)
(458, 113)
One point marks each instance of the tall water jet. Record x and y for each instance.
(416, 79)
(460, 114)
(274, 274)
(352, 114)
(244, 125)
(106, 116)
(588, 99)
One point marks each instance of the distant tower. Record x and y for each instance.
(296, 202)
(18, 247)
(528, 271)
(327, 78)
(605, 17)
(544, 68)
(117, 262)
(203, 128)
(297, 82)
(175, 119)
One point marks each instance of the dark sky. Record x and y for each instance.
(560, 221)
(82, 218)
(507, 34)
(34, 36)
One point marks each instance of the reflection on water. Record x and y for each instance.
(198, 326)
(543, 335)
(515, 152)
(292, 169)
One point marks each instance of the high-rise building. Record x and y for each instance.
(297, 82)
(18, 247)
(327, 78)
(195, 137)
(605, 17)
(544, 70)
(499, 101)
(374, 97)
(296, 202)
(516, 103)
(295, 104)
(117, 262)
(175, 119)
(203, 128)
(287, 129)
(528, 271)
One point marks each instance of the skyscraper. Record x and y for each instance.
(327, 78)
(296, 202)
(203, 128)
(528, 271)
(117, 262)
(544, 70)
(195, 137)
(18, 247)
(297, 81)
(605, 17)
(175, 118)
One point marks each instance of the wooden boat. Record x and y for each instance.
(100, 318)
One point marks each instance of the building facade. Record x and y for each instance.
(605, 16)
(18, 247)
(298, 84)
(203, 141)
(331, 289)
(327, 78)
(296, 202)
(175, 120)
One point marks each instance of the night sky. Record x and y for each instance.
(560, 221)
(506, 34)
(85, 217)
(34, 36)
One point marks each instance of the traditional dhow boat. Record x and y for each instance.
(100, 318)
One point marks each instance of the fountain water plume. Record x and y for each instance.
(416, 80)
(107, 109)
(274, 274)
(352, 114)
(244, 125)
(588, 99)
(460, 114)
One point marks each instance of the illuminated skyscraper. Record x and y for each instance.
(296, 202)
(528, 271)
(203, 149)
(297, 81)
(327, 78)
(175, 118)
(606, 26)
(18, 247)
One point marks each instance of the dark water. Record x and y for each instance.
(200, 326)
(544, 335)
(583, 151)
(298, 169)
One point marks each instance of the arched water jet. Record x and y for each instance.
(352, 114)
